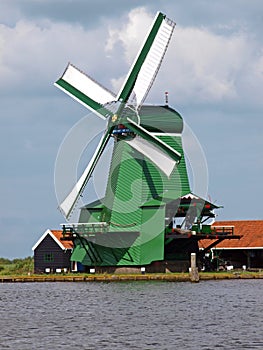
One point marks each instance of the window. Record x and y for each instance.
(48, 257)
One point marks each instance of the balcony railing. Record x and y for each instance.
(213, 230)
(83, 229)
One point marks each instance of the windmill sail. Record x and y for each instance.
(69, 202)
(164, 147)
(147, 63)
(154, 154)
(85, 90)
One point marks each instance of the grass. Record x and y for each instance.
(17, 266)
(81, 277)
(25, 268)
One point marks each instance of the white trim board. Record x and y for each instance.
(48, 232)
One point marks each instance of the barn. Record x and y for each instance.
(247, 252)
(51, 254)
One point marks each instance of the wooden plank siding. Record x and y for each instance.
(48, 248)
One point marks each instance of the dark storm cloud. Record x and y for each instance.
(223, 15)
(87, 13)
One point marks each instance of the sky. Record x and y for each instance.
(213, 71)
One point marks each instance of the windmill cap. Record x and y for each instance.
(161, 119)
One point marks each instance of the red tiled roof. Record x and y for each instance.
(58, 235)
(250, 230)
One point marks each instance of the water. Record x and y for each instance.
(132, 315)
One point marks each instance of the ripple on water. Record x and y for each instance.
(132, 315)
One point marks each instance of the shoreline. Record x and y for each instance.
(169, 277)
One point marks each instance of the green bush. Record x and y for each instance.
(4, 261)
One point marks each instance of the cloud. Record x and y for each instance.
(130, 31)
(206, 63)
(127, 37)
(202, 66)
(34, 54)
(206, 68)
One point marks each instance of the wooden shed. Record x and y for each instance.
(51, 254)
(247, 252)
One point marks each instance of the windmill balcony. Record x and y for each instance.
(71, 230)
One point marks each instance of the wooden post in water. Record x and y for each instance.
(194, 276)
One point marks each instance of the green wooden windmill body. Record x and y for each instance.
(133, 204)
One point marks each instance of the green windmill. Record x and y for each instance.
(148, 188)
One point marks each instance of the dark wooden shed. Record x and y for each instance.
(51, 254)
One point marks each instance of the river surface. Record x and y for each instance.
(224, 314)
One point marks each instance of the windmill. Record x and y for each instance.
(147, 175)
